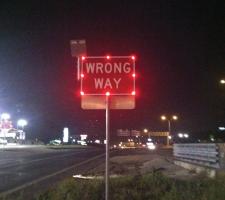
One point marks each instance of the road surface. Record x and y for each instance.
(23, 165)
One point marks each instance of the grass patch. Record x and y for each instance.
(154, 186)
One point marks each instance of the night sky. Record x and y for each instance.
(180, 49)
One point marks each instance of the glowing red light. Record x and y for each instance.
(133, 93)
(107, 94)
(83, 58)
(134, 75)
(82, 75)
(108, 57)
(82, 93)
(133, 57)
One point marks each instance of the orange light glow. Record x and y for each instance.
(174, 117)
(163, 117)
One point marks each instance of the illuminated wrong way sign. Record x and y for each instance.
(112, 75)
(107, 83)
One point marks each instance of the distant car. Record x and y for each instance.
(82, 142)
(55, 142)
(151, 145)
(3, 141)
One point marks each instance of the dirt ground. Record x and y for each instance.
(141, 164)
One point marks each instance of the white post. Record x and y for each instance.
(169, 129)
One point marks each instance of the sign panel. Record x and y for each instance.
(159, 134)
(123, 133)
(78, 48)
(112, 75)
(98, 102)
(135, 133)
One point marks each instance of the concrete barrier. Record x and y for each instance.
(200, 157)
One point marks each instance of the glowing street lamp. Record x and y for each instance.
(4, 120)
(221, 128)
(222, 81)
(145, 130)
(22, 123)
(183, 135)
(174, 117)
(165, 118)
(180, 135)
(5, 116)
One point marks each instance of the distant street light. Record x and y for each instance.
(221, 128)
(180, 135)
(22, 123)
(183, 135)
(222, 81)
(165, 118)
(174, 117)
(5, 116)
(5, 123)
(145, 130)
(186, 135)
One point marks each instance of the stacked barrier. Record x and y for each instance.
(201, 154)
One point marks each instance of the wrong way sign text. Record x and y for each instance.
(115, 75)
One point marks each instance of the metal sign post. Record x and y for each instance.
(107, 149)
(107, 83)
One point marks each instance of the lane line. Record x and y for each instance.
(36, 160)
(4, 194)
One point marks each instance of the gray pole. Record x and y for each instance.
(107, 151)
(78, 68)
(169, 129)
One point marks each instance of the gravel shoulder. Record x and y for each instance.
(142, 164)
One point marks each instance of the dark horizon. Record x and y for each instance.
(180, 50)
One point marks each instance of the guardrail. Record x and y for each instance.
(200, 154)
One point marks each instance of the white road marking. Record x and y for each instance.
(37, 160)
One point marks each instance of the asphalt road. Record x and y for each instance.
(23, 165)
